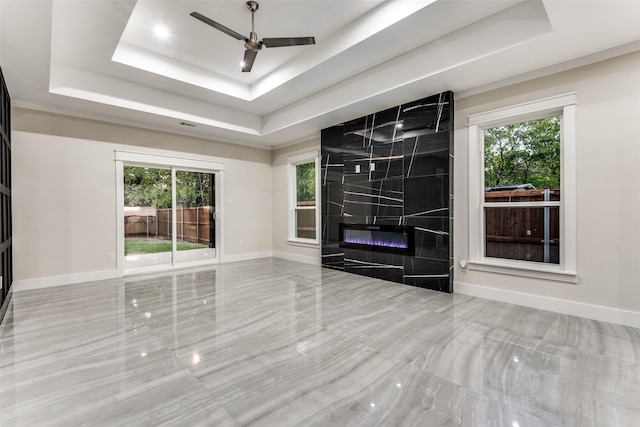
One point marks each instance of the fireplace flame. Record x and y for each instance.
(375, 242)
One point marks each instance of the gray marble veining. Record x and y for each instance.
(277, 343)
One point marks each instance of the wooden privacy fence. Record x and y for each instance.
(306, 221)
(519, 232)
(140, 226)
(192, 224)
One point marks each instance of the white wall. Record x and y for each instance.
(281, 208)
(64, 191)
(63, 204)
(608, 198)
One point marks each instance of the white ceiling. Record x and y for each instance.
(101, 59)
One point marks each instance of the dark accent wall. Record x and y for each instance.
(410, 183)
(6, 262)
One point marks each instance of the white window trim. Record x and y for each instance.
(292, 162)
(565, 107)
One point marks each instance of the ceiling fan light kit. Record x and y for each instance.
(251, 44)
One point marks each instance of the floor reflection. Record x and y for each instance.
(273, 342)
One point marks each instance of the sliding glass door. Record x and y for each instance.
(195, 210)
(169, 216)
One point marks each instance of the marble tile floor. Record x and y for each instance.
(277, 343)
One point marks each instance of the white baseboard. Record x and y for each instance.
(67, 279)
(299, 258)
(246, 257)
(93, 276)
(589, 311)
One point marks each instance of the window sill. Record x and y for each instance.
(518, 269)
(304, 243)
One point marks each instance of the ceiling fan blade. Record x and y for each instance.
(249, 57)
(218, 26)
(287, 41)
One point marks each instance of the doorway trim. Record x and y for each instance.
(174, 161)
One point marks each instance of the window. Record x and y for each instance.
(304, 215)
(522, 189)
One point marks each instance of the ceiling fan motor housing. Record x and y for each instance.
(253, 43)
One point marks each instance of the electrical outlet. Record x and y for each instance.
(111, 256)
(357, 168)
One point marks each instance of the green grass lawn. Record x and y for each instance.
(152, 246)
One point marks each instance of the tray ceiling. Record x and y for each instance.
(103, 60)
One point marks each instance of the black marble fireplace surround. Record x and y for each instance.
(392, 168)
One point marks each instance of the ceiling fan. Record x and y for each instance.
(252, 44)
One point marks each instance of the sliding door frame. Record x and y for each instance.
(174, 162)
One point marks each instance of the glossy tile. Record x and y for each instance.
(277, 343)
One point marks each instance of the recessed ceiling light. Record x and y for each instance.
(161, 32)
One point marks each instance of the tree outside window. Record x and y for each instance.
(523, 153)
(152, 187)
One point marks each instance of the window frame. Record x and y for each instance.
(292, 162)
(565, 107)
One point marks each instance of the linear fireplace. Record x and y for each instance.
(397, 239)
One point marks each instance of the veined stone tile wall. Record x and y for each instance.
(392, 167)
